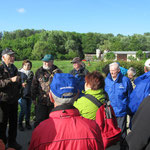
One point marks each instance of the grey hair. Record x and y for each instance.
(60, 101)
(114, 64)
(131, 69)
(4, 56)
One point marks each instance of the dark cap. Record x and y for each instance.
(48, 57)
(7, 51)
(76, 60)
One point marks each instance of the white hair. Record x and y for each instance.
(115, 65)
(131, 69)
(4, 56)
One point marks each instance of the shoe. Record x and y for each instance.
(28, 126)
(21, 128)
(15, 145)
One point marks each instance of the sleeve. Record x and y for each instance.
(30, 77)
(34, 86)
(4, 82)
(139, 136)
(130, 88)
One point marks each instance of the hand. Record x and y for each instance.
(14, 79)
(24, 84)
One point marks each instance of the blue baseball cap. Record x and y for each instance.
(48, 57)
(64, 85)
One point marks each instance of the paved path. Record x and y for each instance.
(23, 138)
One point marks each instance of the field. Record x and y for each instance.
(65, 66)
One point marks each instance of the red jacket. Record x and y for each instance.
(66, 130)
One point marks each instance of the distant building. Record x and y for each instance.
(123, 55)
(90, 57)
(119, 55)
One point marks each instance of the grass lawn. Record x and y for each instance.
(65, 65)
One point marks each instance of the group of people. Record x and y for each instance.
(65, 119)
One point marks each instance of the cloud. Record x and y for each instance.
(21, 10)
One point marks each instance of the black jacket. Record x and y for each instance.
(139, 137)
(40, 84)
(9, 91)
(26, 91)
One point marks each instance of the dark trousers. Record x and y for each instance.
(42, 113)
(9, 112)
(25, 105)
(122, 121)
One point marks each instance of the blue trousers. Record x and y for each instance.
(25, 105)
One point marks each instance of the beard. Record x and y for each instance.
(46, 67)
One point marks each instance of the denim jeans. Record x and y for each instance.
(25, 105)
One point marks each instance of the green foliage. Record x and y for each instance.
(138, 65)
(131, 58)
(71, 55)
(41, 48)
(106, 45)
(139, 54)
(33, 44)
(109, 56)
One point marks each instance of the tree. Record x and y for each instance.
(41, 48)
(70, 45)
(109, 56)
(139, 54)
(105, 46)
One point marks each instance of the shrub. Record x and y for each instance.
(109, 56)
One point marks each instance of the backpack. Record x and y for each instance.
(106, 119)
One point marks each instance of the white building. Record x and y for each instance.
(123, 55)
(119, 55)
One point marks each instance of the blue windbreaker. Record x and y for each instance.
(123, 70)
(141, 91)
(118, 92)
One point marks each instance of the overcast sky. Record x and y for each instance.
(125, 17)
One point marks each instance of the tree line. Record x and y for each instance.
(34, 44)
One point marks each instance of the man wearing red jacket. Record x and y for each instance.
(65, 128)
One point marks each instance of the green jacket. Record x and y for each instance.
(87, 108)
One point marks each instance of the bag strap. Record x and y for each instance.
(94, 100)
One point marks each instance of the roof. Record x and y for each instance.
(129, 52)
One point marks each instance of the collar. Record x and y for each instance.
(63, 107)
(118, 77)
(64, 111)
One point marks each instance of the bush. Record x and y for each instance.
(109, 56)
(131, 58)
(138, 65)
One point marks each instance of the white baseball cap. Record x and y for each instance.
(147, 63)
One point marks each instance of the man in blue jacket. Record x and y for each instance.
(79, 72)
(118, 88)
(141, 90)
